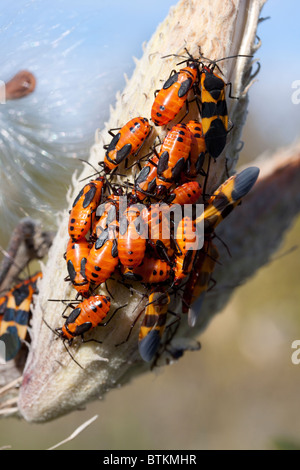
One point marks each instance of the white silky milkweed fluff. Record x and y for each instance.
(43, 135)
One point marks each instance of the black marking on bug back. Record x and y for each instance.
(200, 162)
(152, 186)
(215, 138)
(140, 225)
(73, 315)
(136, 126)
(9, 314)
(185, 87)
(21, 317)
(163, 163)
(103, 237)
(151, 321)
(111, 215)
(123, 153)
(71, 271)
(81, 329)
(20, 294)
(209, 223)
(221, 109)
(78, 197)
(214, 85)
(220, 202)
(178, 168)
(171, 80)
(82, 267)
(123, 225)
(209, 109)
(94, 308)
(114, 249)
(227, 210)
(244, 182)
(114, 142)
(187, 260)
(143, 174)
(89, 196)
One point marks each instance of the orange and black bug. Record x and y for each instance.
(84, 208)
(227, 197)
(126, 142)
(214, 112)
(153, 324)
(150, 271)
(76, 258)
(132, 237)
(187, 242)
(145, 183)
(16, 314)
(196, 158)
(220, 205)
(187, 193)
(199, 280)
(173, 155)
(108, 212)
(86, 315)
(103, 256)
(157, 218)
(173, 95)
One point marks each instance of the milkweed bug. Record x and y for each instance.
(196, 158)
(108, 213)
(84, 208)
(76, 258)
(145, 182)
(227, 197)
(86, 315)
(132, 237)
(187, 242)
(199, 280)
(13, 328)
(219, 206)
(103, 256)
(173, 95)
(126, 142)
(173, 155)
(153, 324)
(157, 218)
(214, 112)
(187, 193)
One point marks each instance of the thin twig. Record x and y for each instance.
(75, 433)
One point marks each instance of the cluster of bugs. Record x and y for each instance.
(128, 229)
(15, 312)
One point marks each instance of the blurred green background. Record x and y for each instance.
(241, 390)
